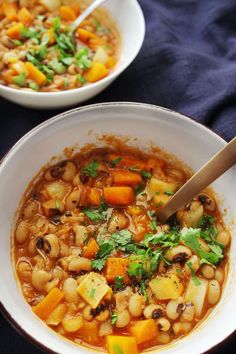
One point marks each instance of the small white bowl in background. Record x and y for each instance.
(129, 19)
(189, 141)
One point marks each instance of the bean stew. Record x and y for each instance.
(97, 266)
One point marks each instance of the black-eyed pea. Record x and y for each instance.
(81, 234)
(207, 201)
(64, 249)
(73, 199)
(25, 270)
(204, 246)
(51, 246)
(163, 324)
(178, 253)
(117, 221)
(32, 250)
(22, 232)
(51, 284)
(136, 305)
(105, 329)
(195, 265)
(72, 324)
(188, 312)
(187, 326)
(103, 315)
(38, 261)
(153, 311)
(207, 271)
(87, 315)
(57, 273)
(69, 289)
(69, 171)
(173, 308)
(213, 292)
(219, 275)
(191, 214)
(163, 338)
(123, 319)
(78, 264)
(30, 209)
(178, 328)
(224, 237)
(40, 278)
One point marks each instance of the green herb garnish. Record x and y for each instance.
(118, 282)
(114, 317)
(169, 193)
(94, 215)
(98, 264)
(194, 277)
(91, 169)
(20, 79)
(115, 161)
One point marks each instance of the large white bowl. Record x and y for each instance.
(130, 22)
(190, 141)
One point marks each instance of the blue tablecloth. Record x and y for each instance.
(187, 63)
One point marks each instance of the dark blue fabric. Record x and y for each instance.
(187, 63)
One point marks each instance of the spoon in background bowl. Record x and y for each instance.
(213, 169)
(86, 13)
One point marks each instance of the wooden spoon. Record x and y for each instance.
(213, 169)
(86, 13)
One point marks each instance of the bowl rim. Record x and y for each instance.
(58, 117)
(116, 72)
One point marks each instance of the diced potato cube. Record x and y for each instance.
(57, 315)
(197, 294)
(72, 324)
(56, 190)
(122, 344)
(156, 185)
(93, 288)
(160, 199)
(166, 287)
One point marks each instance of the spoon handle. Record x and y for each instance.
(86, 13)
(213, 169)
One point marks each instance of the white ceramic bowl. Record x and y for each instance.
(130, 22)
(190, 141)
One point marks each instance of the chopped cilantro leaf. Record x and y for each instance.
(121, 238)
(189, 237)
(81, 79)
(20, 79)
(28, 32)
(169, 193)
(98, 264)
(153, 225)
(34, 86)
(194, 277)
(67, 61)
(143, 173)
(56, 21)
(94, 215)
(58, 67)
(118, 282)
(144, 291)
(17, 42)
(139, 189)
(159, 204)
(116, 161)
(91, 169)
(114, 317)
(83, 60)
(105, 249)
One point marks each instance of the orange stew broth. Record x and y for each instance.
(83, 202)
